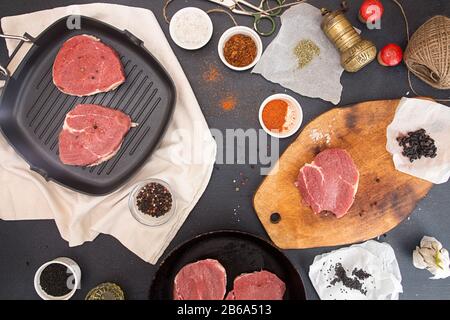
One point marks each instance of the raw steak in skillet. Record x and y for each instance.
(92, 134)
(85, 66)
(201, 280)
(330, 182)
(260, 285)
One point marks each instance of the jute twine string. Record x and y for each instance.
(427, 55)
(166, 17)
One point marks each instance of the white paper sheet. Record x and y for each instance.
(321, 77)
(377, 259)
(414, 114)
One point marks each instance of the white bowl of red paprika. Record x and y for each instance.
(240, 48)
(280, 115)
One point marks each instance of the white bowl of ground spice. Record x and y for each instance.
(280, 115)
(240, 48)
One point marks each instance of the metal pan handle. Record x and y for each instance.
(3, 70)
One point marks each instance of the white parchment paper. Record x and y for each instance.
(414, 114)
(321, 77)
(374, 257)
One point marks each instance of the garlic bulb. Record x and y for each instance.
(432, 256)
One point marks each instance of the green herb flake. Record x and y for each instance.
(305, 51)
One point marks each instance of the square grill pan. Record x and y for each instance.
(32, 109)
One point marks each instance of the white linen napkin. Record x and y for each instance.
(184, 159)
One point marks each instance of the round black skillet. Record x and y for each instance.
(238, 252)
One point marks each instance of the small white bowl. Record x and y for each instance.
(294, 107)
(247, 32)
(146, 219)
(184, 14)
(69, 264)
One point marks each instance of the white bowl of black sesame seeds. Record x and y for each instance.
(151, 202)
(58, 279)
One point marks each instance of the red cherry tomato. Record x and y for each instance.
(391, 55)
(371, 10)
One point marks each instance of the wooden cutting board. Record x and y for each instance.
(385, 196)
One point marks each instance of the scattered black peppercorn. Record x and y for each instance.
(54, 280)
(417, 144)
(154, 199)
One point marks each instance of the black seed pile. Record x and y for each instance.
(54, 280)
(360, 274)
(154, 199)
(417, 144)
(351, 283)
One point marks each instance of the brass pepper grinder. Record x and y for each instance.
(356, 52)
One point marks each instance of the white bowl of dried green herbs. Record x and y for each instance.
(151, 202)
(58, 279)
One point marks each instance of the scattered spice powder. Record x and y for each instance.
(154, 199)
(240, 50)
(228, 103)
(212, 74)
(274, 115)
(305, 51)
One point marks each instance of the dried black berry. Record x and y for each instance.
(417, 144)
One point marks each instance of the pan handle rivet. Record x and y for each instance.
(275, 217)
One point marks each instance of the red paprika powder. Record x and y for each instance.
(274, 115)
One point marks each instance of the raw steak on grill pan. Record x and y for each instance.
(85, 66)
(92, 134)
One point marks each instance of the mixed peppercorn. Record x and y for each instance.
(154, 199)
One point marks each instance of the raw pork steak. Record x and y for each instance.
(330, 182)
(85, 66)
(202, 280)
(261, 285)
(92, 134)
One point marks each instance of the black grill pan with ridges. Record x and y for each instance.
(32, 109)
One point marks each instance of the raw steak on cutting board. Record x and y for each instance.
(92, 134)
(260, 285)
(330, 182)
(201, 280)
(85, 66)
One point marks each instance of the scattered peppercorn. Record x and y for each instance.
(417, 144)
(54, 280)
(240, 50)
(154, 199)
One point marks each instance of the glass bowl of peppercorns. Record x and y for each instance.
(151, 202)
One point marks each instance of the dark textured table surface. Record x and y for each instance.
(25, 245)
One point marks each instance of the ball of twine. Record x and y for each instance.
(428, 53)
